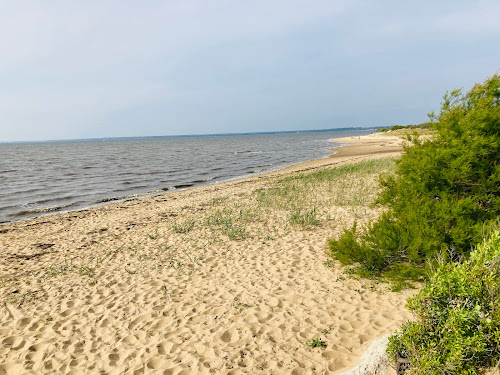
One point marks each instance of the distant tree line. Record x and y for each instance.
(424, 125)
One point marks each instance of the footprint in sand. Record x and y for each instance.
(229, 336)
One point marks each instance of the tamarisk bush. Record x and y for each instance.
(445, 191)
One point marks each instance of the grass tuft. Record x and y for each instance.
(317, 343)
(185, 226)
(307, 219)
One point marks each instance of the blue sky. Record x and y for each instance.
(80, 69)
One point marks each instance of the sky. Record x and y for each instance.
(87, 69)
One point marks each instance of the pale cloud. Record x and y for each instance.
(480, 17)
(128, 67)
(107, 32)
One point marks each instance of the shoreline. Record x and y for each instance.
(352, 149)
(228, 278)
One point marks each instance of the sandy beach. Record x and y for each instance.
(232, 278)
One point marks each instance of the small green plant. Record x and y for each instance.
(218, 200)
(184, 227)
(249, 215)
(240, 305)
(86, 271)
(58, 269)
(398, 285)
(220, 218)
(328, 263)
(349, 271)
(223, 220)
(307, 219)
(317, 343)
(163, 248)
(236, 231)
(112, 253)
(327, 330)
(153, 236)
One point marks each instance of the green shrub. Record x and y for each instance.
(458, 312)
(349, 249)
(446, 189)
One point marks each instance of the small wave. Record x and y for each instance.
(255, 171)
(200, 181)
(129, 196)
(136, 187)
(247, 152)
(42, 210)
(183, 186)
(8, 171)
(112, 199)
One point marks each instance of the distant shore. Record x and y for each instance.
(353, 149)
(225, 278)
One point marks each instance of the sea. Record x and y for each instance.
(43, 178)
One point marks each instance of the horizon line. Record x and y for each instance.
(196, 135)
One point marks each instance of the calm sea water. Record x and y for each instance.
(46, 177)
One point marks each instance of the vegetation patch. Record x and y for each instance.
(445, 192)
(458, 312)
(341, 186)
(305, 219)
(223, 220)
(184, 227)
(317, 343)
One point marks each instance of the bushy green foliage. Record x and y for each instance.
(445, 191)
(458, 312)
(350, 249)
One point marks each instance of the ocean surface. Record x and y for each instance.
(41, 178)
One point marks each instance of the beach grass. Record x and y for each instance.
(342, 186)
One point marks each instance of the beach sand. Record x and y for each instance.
(212, 280)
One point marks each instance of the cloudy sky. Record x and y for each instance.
(81, 69)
